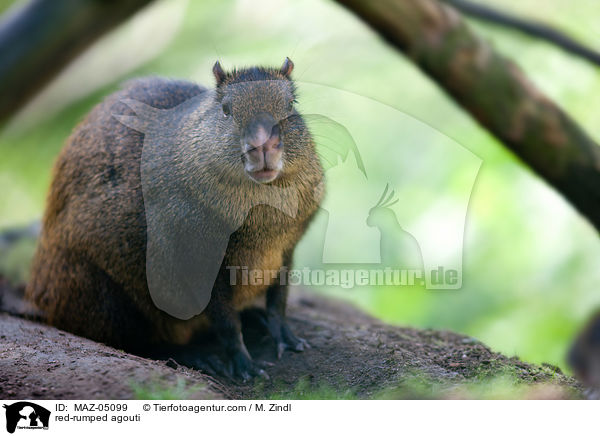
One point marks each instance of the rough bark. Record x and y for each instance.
(495, 91)
(364, 358)
(41, 37)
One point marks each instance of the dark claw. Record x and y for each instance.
(244, 368)
(285, 339)
(302, 345)
(291, 343)
(280, 349)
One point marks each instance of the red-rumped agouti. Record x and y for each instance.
(89, 272)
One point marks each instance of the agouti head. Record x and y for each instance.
(258, 119)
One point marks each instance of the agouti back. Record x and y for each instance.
(89, 272)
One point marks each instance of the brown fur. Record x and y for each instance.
(89, 273)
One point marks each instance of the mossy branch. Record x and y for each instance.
(495, 91)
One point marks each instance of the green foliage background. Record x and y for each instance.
(530, 263)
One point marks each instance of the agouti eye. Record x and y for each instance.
(226, 109)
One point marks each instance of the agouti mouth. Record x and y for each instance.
(264, 176)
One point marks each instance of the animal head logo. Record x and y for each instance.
(26, 415)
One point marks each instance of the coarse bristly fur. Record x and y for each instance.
(89, 271)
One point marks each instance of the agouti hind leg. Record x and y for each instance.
(79, 297)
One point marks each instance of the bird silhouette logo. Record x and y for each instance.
(398, 248)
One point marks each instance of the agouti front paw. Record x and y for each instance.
(239, 366)
(289, 341)
(283, 335)
(242, 367)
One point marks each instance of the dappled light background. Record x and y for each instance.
(530, 271)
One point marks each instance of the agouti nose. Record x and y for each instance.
(264, 139)
(263, 148)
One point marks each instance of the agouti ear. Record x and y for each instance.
(287, 67)
(219, 73)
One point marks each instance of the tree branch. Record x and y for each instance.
(39, 38)
(528, 27)
(495, 91)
